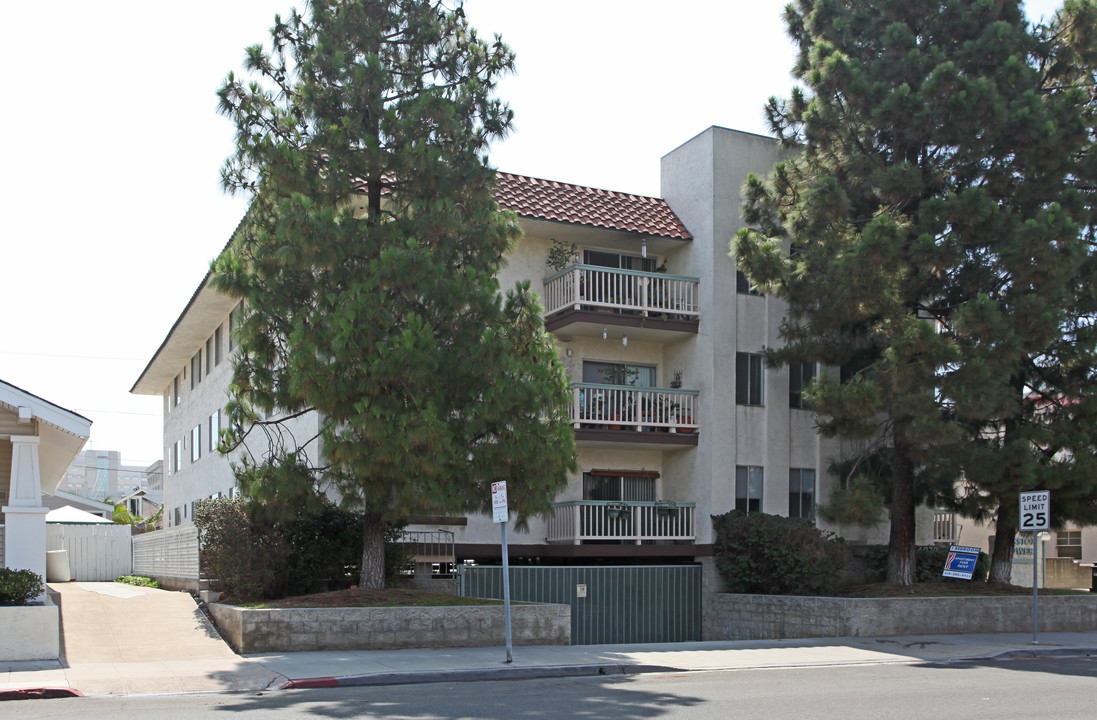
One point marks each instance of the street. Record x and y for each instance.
(1020, 688)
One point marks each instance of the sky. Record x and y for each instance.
(110, 204)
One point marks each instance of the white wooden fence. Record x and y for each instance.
(3, 535)
(168, 553)
(96, 553)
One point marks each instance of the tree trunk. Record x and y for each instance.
(1001, 556)
(372, 576)
(901, 537)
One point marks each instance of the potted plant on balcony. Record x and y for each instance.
(685, 420)
(562, 255)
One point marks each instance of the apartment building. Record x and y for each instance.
(675, 414)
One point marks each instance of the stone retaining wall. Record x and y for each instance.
(281, 630)
(774, 617)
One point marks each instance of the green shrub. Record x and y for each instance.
(139, 581)
(254, 554)
(19, 587)
(929, 563)
(243, 555)
(325, 550)
(760, 553)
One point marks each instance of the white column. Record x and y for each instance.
(25, 518)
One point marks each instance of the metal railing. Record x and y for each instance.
(578, 520)
(617, 407)
(434, 548)
(592, 287)
(945, 527)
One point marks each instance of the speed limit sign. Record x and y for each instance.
(1035, 511)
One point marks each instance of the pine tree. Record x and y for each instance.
(934, 229)
(367, 268)
(1048, 439)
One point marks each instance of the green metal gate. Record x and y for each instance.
(609, 605)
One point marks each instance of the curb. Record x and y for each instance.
(43, 693)
(527, 673)
(1037, 652)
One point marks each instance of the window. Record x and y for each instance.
(167, 401)
(209, 355)
(601, 258)
(742, 285)
(196, 369)
(217, 344)
(175, 390)
(178, 455)
(195, 443)
(214, 430)
(1068, 544)
(620, 485)
(171, 459)
(800, 376)
(801, 493)
(608, 373)
(234, 320)
(748, 488)
(748, 379)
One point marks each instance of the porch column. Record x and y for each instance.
(25, 518)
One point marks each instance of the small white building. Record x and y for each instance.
(38, 441)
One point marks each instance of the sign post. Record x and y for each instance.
(499, 514)
(1035, 515)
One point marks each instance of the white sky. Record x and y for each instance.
(111, 207)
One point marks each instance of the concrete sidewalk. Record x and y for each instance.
(159, 643)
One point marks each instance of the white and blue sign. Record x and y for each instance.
(961, 562)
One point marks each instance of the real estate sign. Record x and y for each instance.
(960, 562)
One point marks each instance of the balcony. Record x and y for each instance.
(946, 529)
(631, 522)
(586, 298)
(657, 417)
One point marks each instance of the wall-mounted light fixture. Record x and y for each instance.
(624, 340)
(643, 247)
(604, 334)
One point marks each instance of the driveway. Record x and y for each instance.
(122, 639)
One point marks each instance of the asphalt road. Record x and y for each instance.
(1058, 688)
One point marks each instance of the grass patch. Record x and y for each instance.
(139, 581)
(360, 597)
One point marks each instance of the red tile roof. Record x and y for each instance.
(561, 202)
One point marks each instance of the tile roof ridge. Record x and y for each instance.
(563, 184)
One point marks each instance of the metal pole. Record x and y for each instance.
(1035, 596)
(506, 590)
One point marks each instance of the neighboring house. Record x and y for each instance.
(676, 416)
(38, 441)
(143, 503)
(61, 498)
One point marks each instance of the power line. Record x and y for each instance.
(115, 412)
(66, 356)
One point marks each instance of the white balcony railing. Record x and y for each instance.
(621, 407)
(591, 287)
(633, 522)
(945, 527)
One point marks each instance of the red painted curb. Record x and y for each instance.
(318, 682)
(39, 693)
